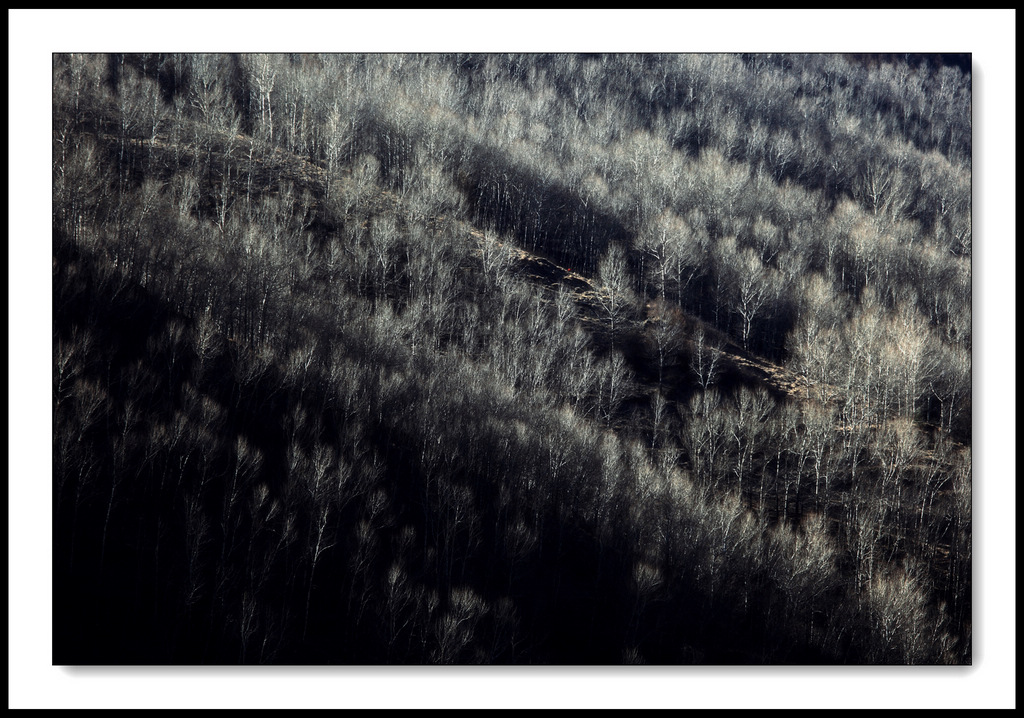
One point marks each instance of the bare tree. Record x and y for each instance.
(748, 426)
(705, 437)
(615, 295)
(665, 333)
(754, 288)
(615, 382)
(705, 359)
(897, 447)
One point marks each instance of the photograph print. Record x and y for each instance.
(561, 359)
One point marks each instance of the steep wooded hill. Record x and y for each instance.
(480, 359)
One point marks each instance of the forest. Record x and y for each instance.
(512, 359)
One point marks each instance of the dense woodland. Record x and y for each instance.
(557, 359)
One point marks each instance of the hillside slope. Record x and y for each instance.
(358, 385)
